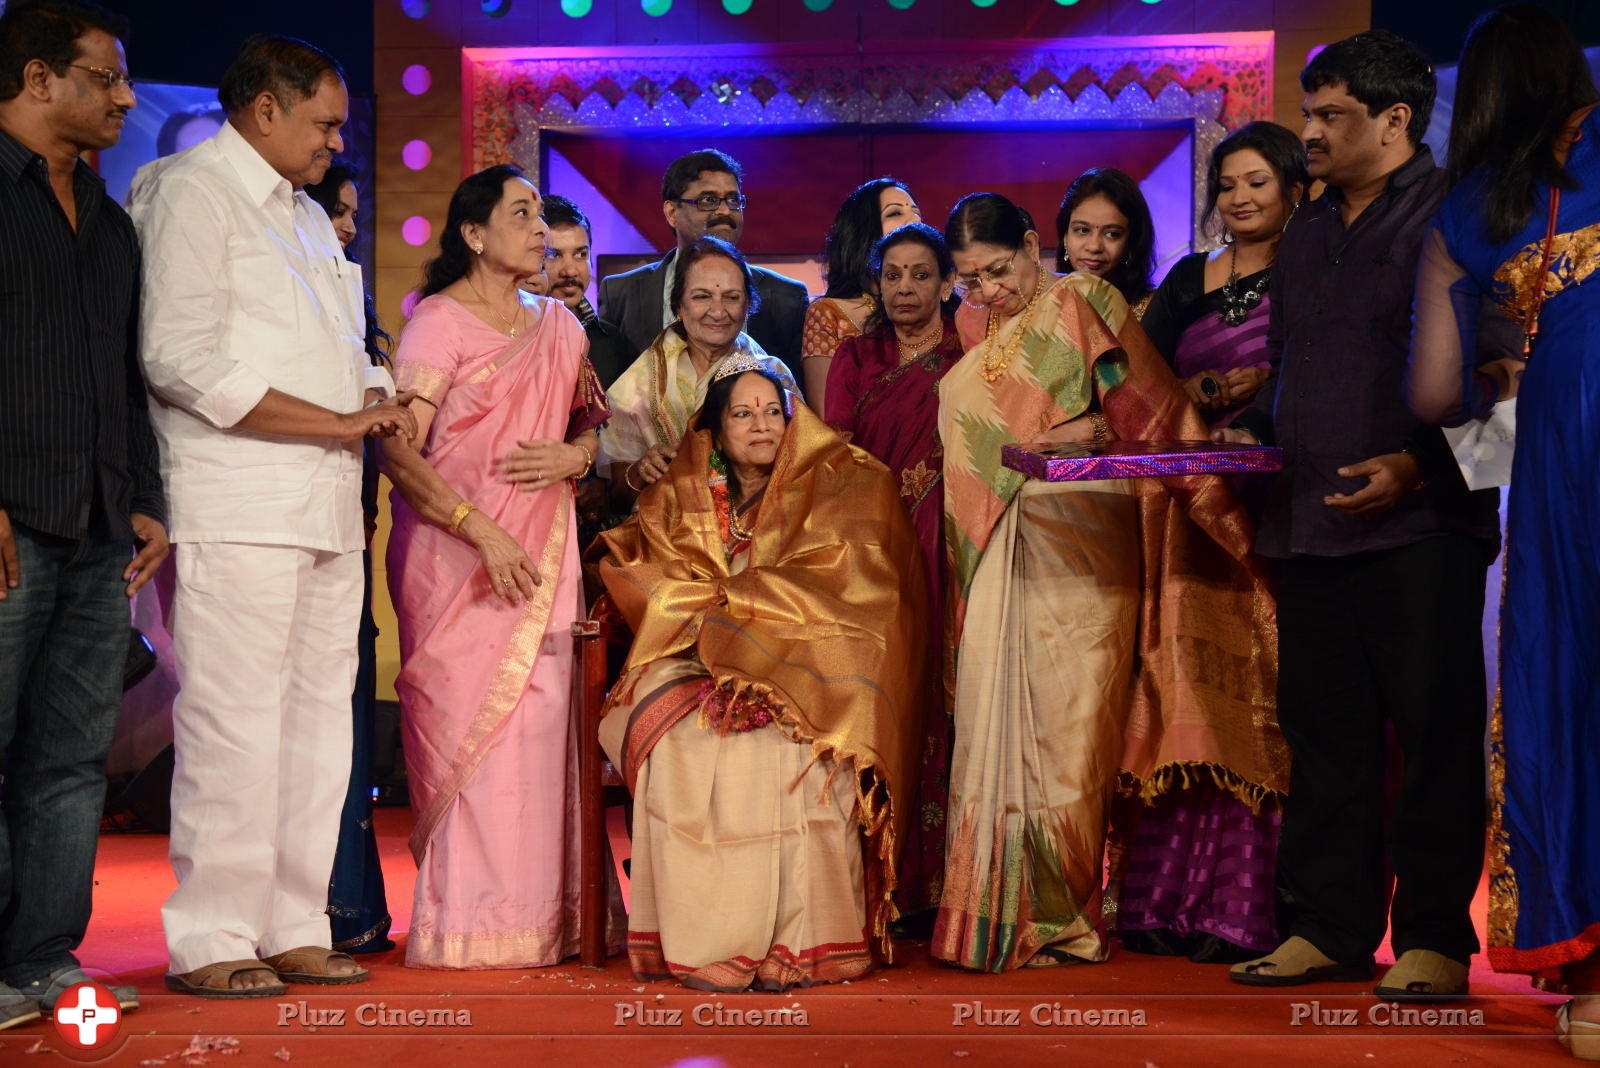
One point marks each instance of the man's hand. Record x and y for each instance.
(391, 418)
(9, 575)
(151, 537)
(1389, 478)
(1233, 435)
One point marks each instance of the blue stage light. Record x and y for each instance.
(416, 8)
(496, 8)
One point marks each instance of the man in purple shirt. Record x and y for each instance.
(1380, 553)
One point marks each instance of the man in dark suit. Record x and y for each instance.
(700, 195)
(568, 267)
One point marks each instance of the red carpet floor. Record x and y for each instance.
(914, 1014)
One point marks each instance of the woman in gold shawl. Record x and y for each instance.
(1104, 630)
(767, 719)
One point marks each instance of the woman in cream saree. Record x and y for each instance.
(767, 718)
(1107, 633)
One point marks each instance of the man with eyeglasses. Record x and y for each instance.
(700, 195)
(80, 485)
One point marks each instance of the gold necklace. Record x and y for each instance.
(508, 325)
(993, 368)
(734, 526)
(922, 344)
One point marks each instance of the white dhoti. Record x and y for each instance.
(265, 638)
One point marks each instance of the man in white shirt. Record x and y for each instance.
(252, 347)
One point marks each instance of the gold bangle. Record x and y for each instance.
(627, 477)
(464, 509)
(588, 459)
(1102, 429)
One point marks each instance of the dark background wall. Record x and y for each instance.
(192, 42)
(1439, 28)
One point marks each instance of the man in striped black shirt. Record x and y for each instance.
(79, 480)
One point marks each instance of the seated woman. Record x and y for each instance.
(713, 294)
(1105, 230)
(883, 391)
(1105, 631)
(1209, 315)
(872, 210)
(768, 718)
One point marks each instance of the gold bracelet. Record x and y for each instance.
(627, 477)
(1102, 429)
(464, 509)
(588, 459)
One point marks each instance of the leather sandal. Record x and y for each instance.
(216, 981)
(309, 964)
(1423, 975)
(1580, 1037)
(1297, 961)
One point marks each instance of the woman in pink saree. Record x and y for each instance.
(483, 569)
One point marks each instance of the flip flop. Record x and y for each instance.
(309, 964)
(213, 981)
(1298, 962)
(1581, 1037)
(1444, 979)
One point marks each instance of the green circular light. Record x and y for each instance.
(736, 7)
(901, 4)
(1066, 3)
(818, 5)
(983, 3)
(576, 8)
(656, 8)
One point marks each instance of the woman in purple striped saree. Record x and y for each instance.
(1198, 874)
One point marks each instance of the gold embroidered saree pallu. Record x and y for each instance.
(820, 628)
(1159, 566)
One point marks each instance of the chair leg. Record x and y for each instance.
(591, 643)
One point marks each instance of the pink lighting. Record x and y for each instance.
(408, 303)
(416, 79)
(416, 231)
(416, 155)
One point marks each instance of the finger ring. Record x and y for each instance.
(505, 582)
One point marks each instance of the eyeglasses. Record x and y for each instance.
(708, 202)
(967, 283)
(114, 79)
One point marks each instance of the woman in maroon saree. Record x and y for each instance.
(883, 394)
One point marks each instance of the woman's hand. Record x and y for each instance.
(1245, 382)
(511, 573)
(543, 462)
(1219, 395)
(1506, 374)
(1079, 431)
(651, 466)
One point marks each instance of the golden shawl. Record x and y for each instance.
(1204, 694)
(824, 625)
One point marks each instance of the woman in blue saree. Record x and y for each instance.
(1518, 238)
